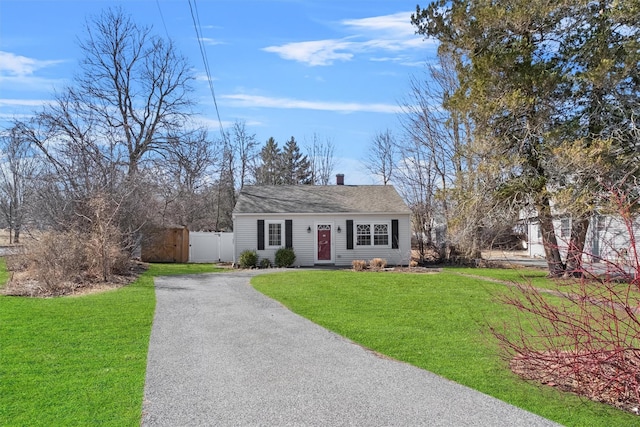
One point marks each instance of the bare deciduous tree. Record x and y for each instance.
(124, 118)
(437, 172)
(190, 159)
(18, 171)
(238, 158)
(381, 156)
(180, 178)
(245, 146)
(322, 160)
(134, 83)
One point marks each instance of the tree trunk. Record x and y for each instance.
(549, 240)
(475, 252)
(579, 227)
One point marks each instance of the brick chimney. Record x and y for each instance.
(340, 179)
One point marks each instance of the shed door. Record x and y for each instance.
(324, 242)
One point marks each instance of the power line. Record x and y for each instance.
(203, 53)
(196, 25)
(164, 24)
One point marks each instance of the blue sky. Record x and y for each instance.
(335, 68)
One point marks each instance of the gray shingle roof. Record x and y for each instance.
(320, 199)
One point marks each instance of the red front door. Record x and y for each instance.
(324, 242)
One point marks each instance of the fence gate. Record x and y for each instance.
(210, 247)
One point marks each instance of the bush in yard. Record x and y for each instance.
(285, 257)
(248, 259)
(584, 337)
(265, 263)
(378, 263)
(60, 263)
(359, 264)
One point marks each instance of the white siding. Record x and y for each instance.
(304, 244)
(246, 237)
(400, 256)
(535, 245)
(534, 242)
(607, 239)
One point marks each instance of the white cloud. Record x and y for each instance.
(397, 24)
(320, 52)
(4, 102)
(19, 109)
(393, 45)
(17, 65)
(244, 100)
(31, 84)
(202, 77)
(213, 125)
(388, 33)
(6, 119)
(405, 60)
(209, 41)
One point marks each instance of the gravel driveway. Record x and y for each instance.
(222, 354)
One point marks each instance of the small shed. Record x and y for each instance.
(166, 245)
(324, 224)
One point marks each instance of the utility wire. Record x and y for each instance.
(205, 60)
(203, 53)
(164, 24)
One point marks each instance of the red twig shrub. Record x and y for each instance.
(583, 336)
(584, 340)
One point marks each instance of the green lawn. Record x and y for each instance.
(435, 321)
(78, 361)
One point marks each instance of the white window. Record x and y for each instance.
(363, 234)
(373, 234)
(381, 234)
(274, 233)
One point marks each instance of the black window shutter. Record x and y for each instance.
(261, 234)
(395, 244)
(288, 233)
(349, 234)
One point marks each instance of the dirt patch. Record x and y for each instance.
(595, 376)
(418, 270)
(398, 269)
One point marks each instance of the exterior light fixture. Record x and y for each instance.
(309, 229)
(339, 229)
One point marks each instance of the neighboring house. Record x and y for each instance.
(607, 238)
(324, 224)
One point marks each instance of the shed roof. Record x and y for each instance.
(320, 199)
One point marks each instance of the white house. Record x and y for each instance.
(324, 224)
(607, 238)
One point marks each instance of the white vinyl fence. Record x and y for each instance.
(210, 247)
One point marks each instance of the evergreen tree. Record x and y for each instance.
(269, 172)
(296, 167)
(506, 83)
(600, 99)
(536, 76)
